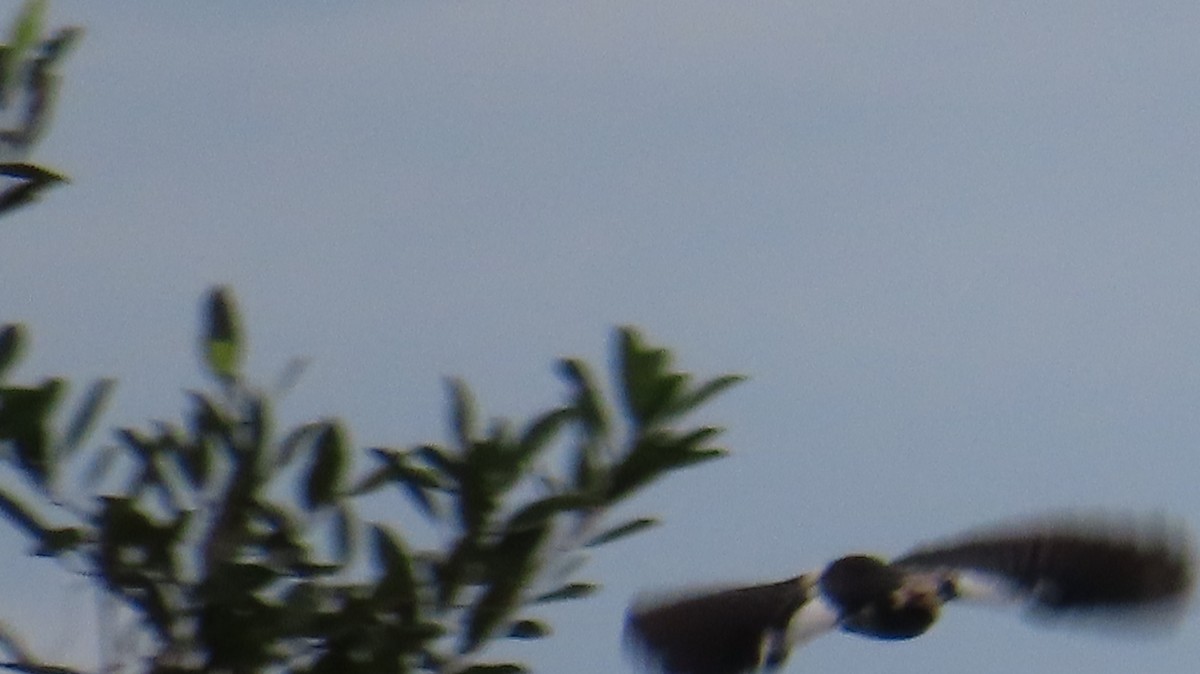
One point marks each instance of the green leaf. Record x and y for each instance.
(396, 468)
(440, 460)
(585, 395)
(509, 566)
(11, 341)
(396, 586)
(541, 432)
(24, 416)
(301, 436)
(568, 591)
(325, 472)
(22, 516)
(645, 386)
(703, 393)
(506, 668)
(23, 34)
(538, 512)
(31, 173)
(462, 414)
(222, 344)
(81, 424)
(528, 629)
(343, 533)
(656, 453)
(621, 531)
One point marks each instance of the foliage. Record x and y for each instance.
(28, 79)
(231, 546)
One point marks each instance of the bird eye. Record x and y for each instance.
(947, 589)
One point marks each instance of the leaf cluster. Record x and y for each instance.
(29, 80)
(233, 546)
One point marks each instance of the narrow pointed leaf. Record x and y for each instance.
(537, 513)
(542, 431)
(396, 468)
(397, 585)
(586, 398)
(568, 591)
(20, 514)
(24, 418)
(703, 393)
(343, 533)
(622, 530)
(462, 414)
(528, 629)
(325, 471)
(31, 173)
(222, 345)
(11, 341)
(24, 33)
(81, 424)
(657, 453)
(299, 438)
(506, 668)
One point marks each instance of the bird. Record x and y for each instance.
(1135, 571)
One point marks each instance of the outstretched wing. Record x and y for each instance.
(729, 631)
(1069, 566)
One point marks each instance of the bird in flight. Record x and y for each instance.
(1056, 567)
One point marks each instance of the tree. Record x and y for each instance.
(223, 545)
(229, 546)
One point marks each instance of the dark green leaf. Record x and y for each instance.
(657, 453)
(31, 173)
(535, 514)
(568, 591)
(528, 629)
(440, 460)
(297, 438)
(343, 533)
(85, 416)
(542, 431)
(23, 517)
(222, 345)
(11, 341)
(703, 393)
(646, 386)
(510, 565)
(621, 531)
(23, 34)
(462, 414)
(396, 468)
(324, 479)
(506, 668)
(585, 395)
(24, 416)
(397, 586)
(256, 424)
(208, 421)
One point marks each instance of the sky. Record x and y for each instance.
(951, 244)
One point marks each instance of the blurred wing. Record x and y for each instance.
(728, 631)
(1069, 566)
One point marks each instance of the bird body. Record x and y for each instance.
(1057, 566)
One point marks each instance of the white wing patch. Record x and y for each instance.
(815, 618)
(986, 587)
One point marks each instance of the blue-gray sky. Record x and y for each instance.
(953, 244)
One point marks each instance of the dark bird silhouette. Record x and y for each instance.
(1056, 567)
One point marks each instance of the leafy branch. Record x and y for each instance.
(232, 546)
